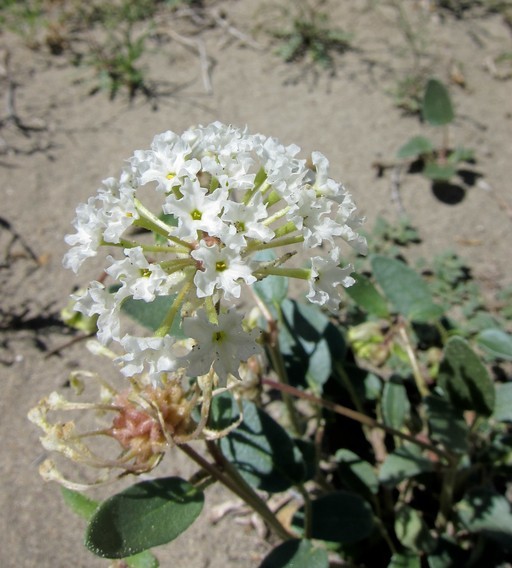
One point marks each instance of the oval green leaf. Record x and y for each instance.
(145, 515)
(263, 452)
(439, 172)
(412, 531)
(142, 560)
(405, 289)
(339, 516)
(496, 342)
(296, 554)
(404, 560)
(464, 378)
(395, 404)
(485, 512)
(152, 314)
(366, 296)
(355, 473)
(503, 407)
(417, 146)
(79, 503)
(404, 463)
(309, 343)
(437, 106)
(447, 425)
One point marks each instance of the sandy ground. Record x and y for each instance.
(349, 116)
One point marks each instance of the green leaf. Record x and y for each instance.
(448, 554)
(437, 106)
(308, 452)
(439, 172)
(80, 504)
(405, 289)
(488, 513)
(447, 425)
(366, 296)
(395, 404)
(145, 515)
(355, 473)
(152, 314)
(404, 560)
(412, 531)
(461, 155)
(464, 378)
(503, 406)
(417, 146)
(172, 221)
(142, 560)
(296, 554)
(263, 452)
(496, 342)
(309, 343)
(404, 463)
(338, 516)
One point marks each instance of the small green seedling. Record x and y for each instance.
(438, 163)
(309, 34)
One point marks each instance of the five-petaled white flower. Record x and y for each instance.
(225, 345)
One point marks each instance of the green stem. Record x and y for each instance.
(273, 197)
(277, 243)
(302, 273)
(285, 229)
(150, 221)
(446, 497)
(383, 531)
(177, 264)
(166, 325)
(308, 512)
(211, 310)
(234, 481)
(276, 216)
(418, 377)
(146, 248)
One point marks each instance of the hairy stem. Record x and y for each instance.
(357, 416)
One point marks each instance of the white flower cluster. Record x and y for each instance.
(222, 196)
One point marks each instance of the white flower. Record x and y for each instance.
(196, 210)
(140, 279)
(220, 268)
(167, 162)
(311, 215)
(105, 216)
(89, 232)
(97, 300)
(323, 185)
(246, 219)
(326, 275)
(224, 345)
(152, 355)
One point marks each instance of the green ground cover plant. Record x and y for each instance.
(438, 162)
(109, 37)
(307, 33)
